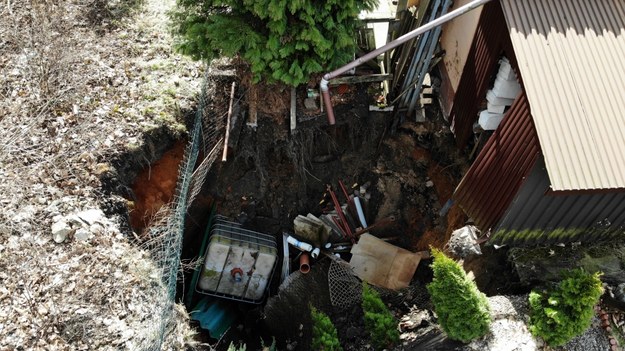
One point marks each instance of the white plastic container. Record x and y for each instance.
(239, 263)
(493, 99)
(489, 121)
(505, 70)
(495, 108)
(506, 89)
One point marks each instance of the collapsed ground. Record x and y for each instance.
(78, 139)
(272, 175)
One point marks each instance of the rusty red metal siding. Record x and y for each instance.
(491, 41)
(492, 182)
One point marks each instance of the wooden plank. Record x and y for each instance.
(360, 79)
(253, 110)
(225, 154)
(293, 109)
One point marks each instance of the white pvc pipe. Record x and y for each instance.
(361, 213)
(299, 244)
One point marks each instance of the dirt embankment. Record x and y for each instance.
(81, 82)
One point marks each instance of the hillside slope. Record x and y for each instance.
(80, 83)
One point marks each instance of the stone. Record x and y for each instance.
(92, 216)
(310, 104)
(429, 184)
(60, 231)
(82, 234)
(96, 228)
(463, 242)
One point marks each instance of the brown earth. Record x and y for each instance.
(154, 187)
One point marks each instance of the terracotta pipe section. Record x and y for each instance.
(323, 85)
(304, 263)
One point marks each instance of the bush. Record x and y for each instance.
(379, 321)
(325, 337)
(561, 313)
(462, 309)
(285, 41)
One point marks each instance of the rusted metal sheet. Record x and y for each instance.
(571, 59)
(497, 174)
(491, 41)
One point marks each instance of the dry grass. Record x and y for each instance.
(80, 81)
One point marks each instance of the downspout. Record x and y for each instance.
(323, 85)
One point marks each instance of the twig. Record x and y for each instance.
(310, 174)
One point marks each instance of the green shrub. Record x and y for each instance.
(379, 321)
(325, 337)
(561, 313)
(285, 41)
(462, 310)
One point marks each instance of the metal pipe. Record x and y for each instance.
(339, 211)
(323, 85)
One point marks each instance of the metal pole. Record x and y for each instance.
(393, 44)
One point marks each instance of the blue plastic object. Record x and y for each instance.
(215, 315)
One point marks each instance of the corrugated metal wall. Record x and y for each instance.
(497, 174)
(535, 208)
(491, 41)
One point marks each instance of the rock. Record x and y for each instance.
(92, 216)
(60, 231)
(414, 319)
(96, 229)
(82, 234)
(463, 242)
(429, 184)
(508, 330)
(310, 103)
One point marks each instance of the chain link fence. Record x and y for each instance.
(166, 231)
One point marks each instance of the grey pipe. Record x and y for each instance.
(323, 85)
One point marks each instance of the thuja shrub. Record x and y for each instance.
(562, 312)
(325, 336)
(379, 321)
(462, 310)
(286, 41)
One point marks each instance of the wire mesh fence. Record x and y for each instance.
(166, 231)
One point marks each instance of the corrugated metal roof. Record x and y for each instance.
(571, 57)
(495, 177)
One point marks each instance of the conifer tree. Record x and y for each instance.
(462, 310)
(282, 40)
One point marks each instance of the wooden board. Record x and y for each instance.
(382, 264)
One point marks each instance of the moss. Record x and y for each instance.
(209, 273)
